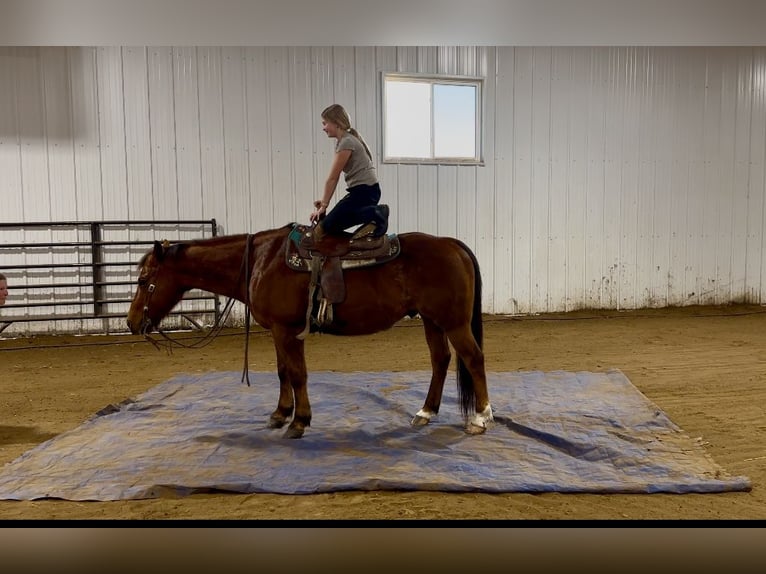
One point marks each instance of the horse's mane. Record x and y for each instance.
(182, 244)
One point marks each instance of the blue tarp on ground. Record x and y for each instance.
(555, 432)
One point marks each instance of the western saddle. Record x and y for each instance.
(326, 259)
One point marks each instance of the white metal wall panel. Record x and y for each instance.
(743, 86)
(235, 141)
(30, 110)
(407, 174)
(304, 124)
(162, 133)
(523, 161)
(10, 149)
(595, 186)
(447, 185)
(11, 185)
(366, 119)
(504, 172)
(696, 197)
(344, 92)
(627, 172)
(259, 136)
(121, 96)
(85, 133)
(407, 198)
(323, 95)
(186, 119)
(58, 128)
(344, 79)
(646, 127)
(278, 78)
(576, 179)
(558, 205)
(482, 63)
(755, 282)
(657, 292)
(427, 193)
(541, 177)
(212, 163)
(711, 161)
(726, 151)
(680, 180)
(134, 114)
(466, 205)
(615, 111)
(612, 177)
(386, 60)
(59, 137)
(427, 198)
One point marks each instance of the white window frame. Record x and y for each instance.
(437, 79)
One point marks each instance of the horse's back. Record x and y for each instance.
(422, 247)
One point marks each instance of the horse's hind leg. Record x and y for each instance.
(440, 358)
(473, 357)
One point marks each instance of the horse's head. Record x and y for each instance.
(158, 290)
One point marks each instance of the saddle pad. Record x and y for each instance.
(554, 431)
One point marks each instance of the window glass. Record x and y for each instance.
(431, 119)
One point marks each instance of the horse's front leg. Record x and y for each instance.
(291, 363)
(285, 405)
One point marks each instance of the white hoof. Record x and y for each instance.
(480, 421)
(421, 418)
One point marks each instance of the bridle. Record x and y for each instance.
(147, 323)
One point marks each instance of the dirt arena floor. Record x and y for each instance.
(704, 366)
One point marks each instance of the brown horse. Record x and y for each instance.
(435, 277)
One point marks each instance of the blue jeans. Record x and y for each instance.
(357, 207)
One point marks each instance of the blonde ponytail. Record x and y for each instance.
(355, 133)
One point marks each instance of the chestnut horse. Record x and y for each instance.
(435, 277)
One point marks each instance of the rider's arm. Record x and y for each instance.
(338, 163)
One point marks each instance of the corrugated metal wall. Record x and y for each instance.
(613, 177)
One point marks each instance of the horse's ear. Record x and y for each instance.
(159, 250)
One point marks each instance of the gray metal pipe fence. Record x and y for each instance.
(79, 276)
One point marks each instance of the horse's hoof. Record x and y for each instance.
(480, 421)
(419, 421)
(293, 432)
(474, 429)
(276, 422)
(422, 418)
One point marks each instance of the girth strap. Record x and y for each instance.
(316, 264)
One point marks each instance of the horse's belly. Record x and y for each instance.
(362, 320)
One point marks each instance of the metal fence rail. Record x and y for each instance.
(79, 276)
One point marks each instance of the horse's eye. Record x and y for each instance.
(142, 281)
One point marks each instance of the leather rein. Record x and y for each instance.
(220, 321)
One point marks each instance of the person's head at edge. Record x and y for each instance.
(3, 289)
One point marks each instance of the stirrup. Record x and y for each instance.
(364, 231)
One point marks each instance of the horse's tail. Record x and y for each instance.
(465, 388)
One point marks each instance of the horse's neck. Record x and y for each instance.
(220, 268)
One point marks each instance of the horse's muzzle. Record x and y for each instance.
(144, 328)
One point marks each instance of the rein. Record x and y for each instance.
(201, 341)
(220, 321)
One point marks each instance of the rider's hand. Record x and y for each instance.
(320, 209)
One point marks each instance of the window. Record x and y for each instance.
(431, 119)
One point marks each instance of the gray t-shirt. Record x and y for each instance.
(358, 169)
